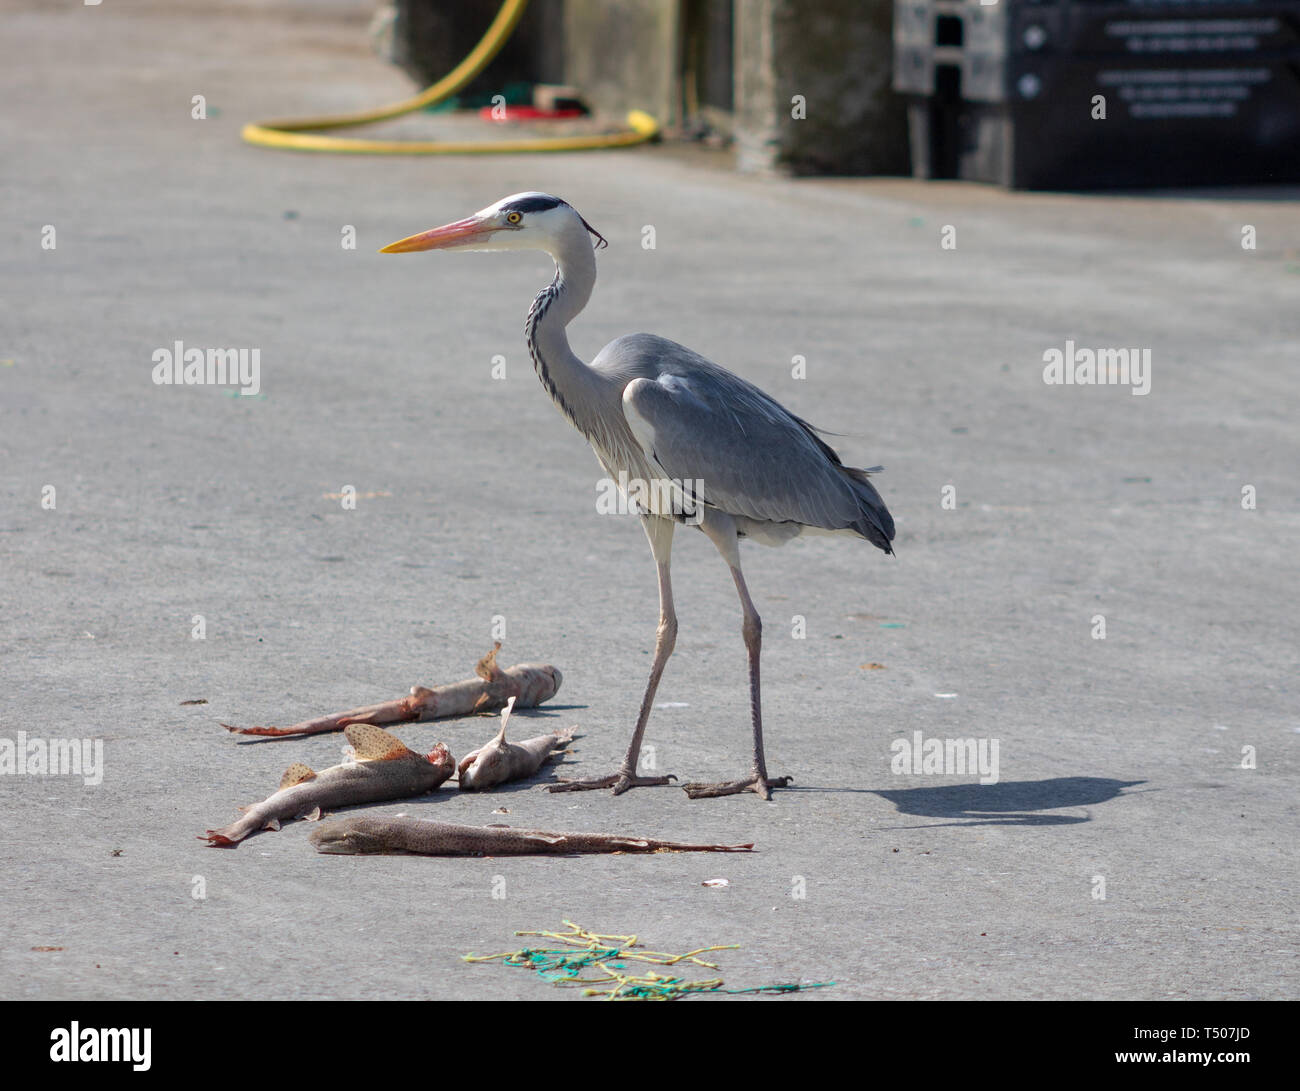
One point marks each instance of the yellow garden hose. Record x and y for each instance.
(299, 134)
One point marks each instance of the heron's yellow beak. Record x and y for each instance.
(460, 233)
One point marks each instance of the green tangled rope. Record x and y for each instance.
(584, 953)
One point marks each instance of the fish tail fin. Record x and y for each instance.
(677, 846)
(505, 719)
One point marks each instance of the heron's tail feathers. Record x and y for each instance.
(874, 523)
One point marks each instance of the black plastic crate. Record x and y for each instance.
(927, 34)
(1193, 93)
(1166, 124)
(995, 37)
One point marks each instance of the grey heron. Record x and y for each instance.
(654, 411)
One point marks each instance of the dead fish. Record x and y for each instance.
(529, 683)
(384, 769)
(423, 837)
(499, 761)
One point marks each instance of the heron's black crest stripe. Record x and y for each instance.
(540, 203)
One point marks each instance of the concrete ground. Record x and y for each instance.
(1121, 759)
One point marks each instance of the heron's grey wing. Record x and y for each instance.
(750, 455)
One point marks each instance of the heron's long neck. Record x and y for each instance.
(577, 389)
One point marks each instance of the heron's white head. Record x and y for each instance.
(523, 221)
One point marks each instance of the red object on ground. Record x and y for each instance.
(528, 113)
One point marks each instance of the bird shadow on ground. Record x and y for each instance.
(1010, 803)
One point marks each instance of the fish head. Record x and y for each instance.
(349, 838)
(440, 757)
(484, 767)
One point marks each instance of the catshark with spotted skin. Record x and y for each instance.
(498, 761)
(384, 769)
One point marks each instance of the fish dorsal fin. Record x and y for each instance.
(296, 774)
(486, 668)
(545, 838)
(505, 719)
(374, 743)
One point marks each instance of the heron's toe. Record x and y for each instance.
(760, 785)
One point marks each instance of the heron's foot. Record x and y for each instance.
(760, 785)
(619, 782)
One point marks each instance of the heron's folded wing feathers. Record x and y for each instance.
(752, 456)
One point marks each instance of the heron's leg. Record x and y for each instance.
(752, 629)
(660, 533)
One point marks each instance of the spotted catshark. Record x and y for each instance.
(402, 835)
(499, 761)
(384, 769)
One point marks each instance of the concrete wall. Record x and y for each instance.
(624, 55)
(838, 55)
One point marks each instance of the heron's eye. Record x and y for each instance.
(514, 217)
